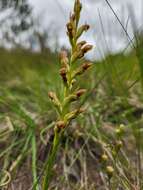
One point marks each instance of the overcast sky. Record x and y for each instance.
(53, 15)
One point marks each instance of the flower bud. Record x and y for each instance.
(70, 31)
(80, 55)
(73, 114)
(72, 19)
(86, 48)
(82, 29)
(61, 124)
(73, 81)
(77, 5)
(77, 9)
(80, 92)
(69, 99)
(118, 146)
(69, 27)
(64, 58)
(54, 99)
(52, 95)
(109, 171)
(79, 45)
(82, 69)
(86, 65)
(63, 73)
(74, 97)
(76, 55)
(104, 158)
(120, 130)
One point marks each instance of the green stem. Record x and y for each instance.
(109, 184)
(51, 161)
(34, 153)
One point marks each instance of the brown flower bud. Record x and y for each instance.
(77, 6)
(80, 92)
(63, 73)
(73, 114)
(77, 10)
(80, 44)
(82, 29)
(69, 27)
(70, 30)
(63, 54)
(86, 48)
(64, 58)
(86, 65)
(76, 55)
(61, 124)
(86, 27)
(80, 55)
(54, 99)
(74, 97)
(52, 95)
(82, 69)
(80, 50)
(72, 18)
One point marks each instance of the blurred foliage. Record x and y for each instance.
(22, 70)
(19, 19)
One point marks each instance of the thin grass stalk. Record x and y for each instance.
(18, 160)
(34, 155)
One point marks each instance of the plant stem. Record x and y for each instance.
(139, 162)
(51, 160)
(109, 184)
(34, 153)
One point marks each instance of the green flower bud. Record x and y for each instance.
(120, 130)
(109, 171)
(104, 158)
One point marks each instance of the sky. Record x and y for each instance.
(106, 33)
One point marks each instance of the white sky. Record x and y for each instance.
(53, 15)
